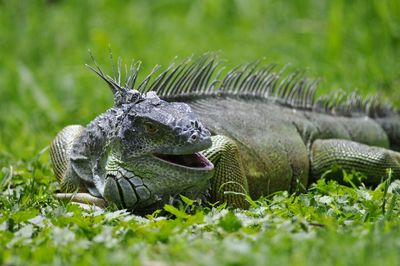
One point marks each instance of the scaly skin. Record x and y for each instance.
(290, 150)
(266, 138)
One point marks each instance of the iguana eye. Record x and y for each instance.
(150, 127)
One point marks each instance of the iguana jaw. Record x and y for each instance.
(195, 161)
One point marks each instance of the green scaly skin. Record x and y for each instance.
(289, 151)
(266, 138)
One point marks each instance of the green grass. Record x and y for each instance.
(45, 86)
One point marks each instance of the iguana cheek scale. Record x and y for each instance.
(268, 133)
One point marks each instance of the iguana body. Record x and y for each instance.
(268, 135)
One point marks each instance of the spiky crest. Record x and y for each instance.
(195, 79)
(352, 104)
(126, 93)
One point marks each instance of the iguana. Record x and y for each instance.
(191, 131)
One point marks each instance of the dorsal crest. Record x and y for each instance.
(190, 79)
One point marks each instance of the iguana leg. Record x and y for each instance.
(229, 182)
(84, 198)
(60, 151)
(371, 161)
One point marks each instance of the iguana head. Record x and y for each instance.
(158, 145)
(151, 125)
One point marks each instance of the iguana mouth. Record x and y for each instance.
(195, 160)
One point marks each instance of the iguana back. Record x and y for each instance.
(275, 141)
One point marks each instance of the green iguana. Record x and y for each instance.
(250, 131)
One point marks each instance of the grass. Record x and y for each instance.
(45, 86)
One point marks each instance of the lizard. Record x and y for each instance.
(193, 131)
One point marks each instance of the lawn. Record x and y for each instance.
(44, 85)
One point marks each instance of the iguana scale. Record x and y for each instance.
(190, 131)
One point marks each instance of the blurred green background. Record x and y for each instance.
(43, 44)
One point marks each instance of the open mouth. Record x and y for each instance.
(195, 160)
